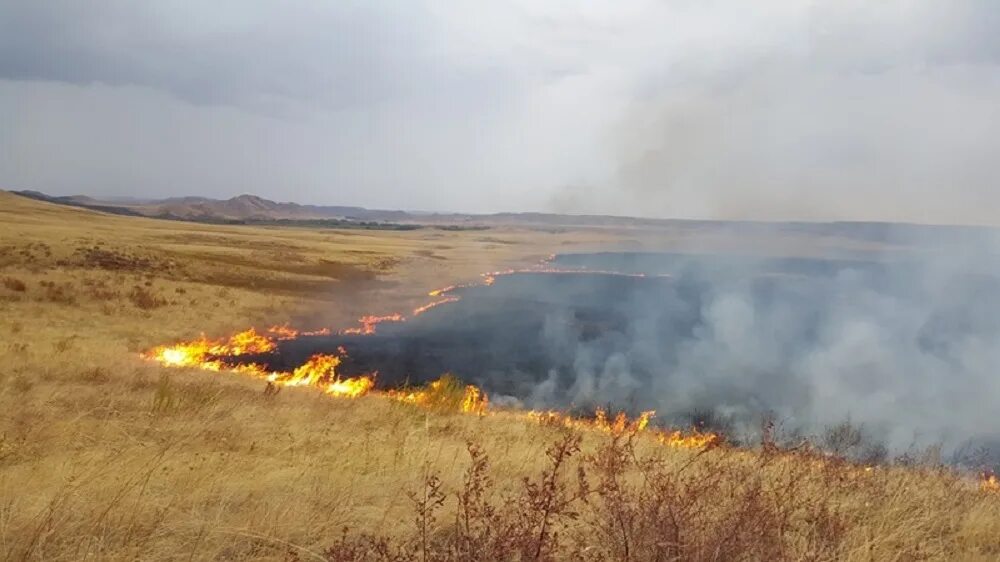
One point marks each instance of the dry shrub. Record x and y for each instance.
(100, 290)
(15, 284)
(64, 344)
(485, 525)
(616, 504)
(59, 293)
(711, 509)
(114, 260)
(145, 298)
(96, 375)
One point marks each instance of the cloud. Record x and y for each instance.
(814, 110)
(249, 54)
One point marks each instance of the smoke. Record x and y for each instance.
(811, 111)
(803, 144)
(906, 345)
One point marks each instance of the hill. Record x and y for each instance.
(252, 209)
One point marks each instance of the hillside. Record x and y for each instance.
(106, 456)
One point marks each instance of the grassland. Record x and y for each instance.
(106, 457)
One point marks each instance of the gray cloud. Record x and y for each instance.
(249, 54)
(817, 110)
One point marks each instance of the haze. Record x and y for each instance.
(833, 110)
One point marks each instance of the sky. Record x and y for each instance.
(778, 110)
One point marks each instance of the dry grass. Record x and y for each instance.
(105, 457)
(625, 500)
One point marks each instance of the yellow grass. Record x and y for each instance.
(106, 457)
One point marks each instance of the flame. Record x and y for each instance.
(443, 393)
(990, 483)
(618, 425)
(199, 353)
(420, 310)
(443, 290)
(621, 424)
(475, 401)
(311, 373)
(245, 342)
(283, 332)
(321, 371)
(696, 439)
(369, 322)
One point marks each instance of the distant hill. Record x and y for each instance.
(252, 209)
(79, 201)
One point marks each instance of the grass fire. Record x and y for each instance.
(655, 281)
(511, 400)
(521, 387)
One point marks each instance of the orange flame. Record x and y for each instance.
(443, 290)
(475, 401)
(442, 393)
(321, 371)
(696, 439)
(369, 322)
(990, 483)
(621, 425)
(420, 310)
(198, 352)
(283, 332)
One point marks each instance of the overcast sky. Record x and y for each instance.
(837, 109)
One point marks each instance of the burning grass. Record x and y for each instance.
(446, 394)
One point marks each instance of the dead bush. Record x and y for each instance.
(145, 298)
(100, 290)
(64, 344)
(14, 284)
(59, 293)
(96, 375)
(114, 260)
(486, 525)
(616, 504)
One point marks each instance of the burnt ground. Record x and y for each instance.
(902, 346)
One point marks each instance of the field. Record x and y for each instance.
(104, 456)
